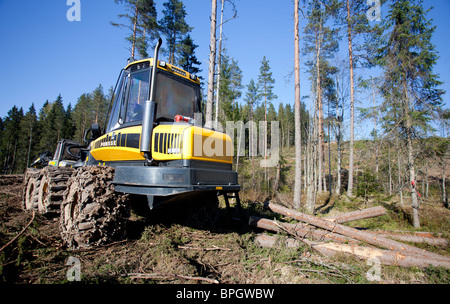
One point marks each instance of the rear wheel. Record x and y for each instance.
(53, 183)
(32, 182)
(92, 213)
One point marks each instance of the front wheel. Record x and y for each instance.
(92, 213)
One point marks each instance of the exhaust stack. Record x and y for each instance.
(150, 108)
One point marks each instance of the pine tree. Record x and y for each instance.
(266, 85)
(297, 116)
(147, 21)
(410, 86)
(174, 28)
(352, 15)
(252, 99)
(321, 45)
(142, 25)
(212, 65)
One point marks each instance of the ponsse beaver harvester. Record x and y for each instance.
(151, 147)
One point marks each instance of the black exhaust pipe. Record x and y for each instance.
(150, 109)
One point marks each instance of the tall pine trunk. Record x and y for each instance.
(319, 106)
(352, 105)
(133, 43)
(219, 62)
(298, 131)
(212, 63)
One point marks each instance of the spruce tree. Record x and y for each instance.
(410, 87)
(82, 116)
(10, 139)
(29, 138)
(187, 60)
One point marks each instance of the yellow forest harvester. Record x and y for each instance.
(152, 147)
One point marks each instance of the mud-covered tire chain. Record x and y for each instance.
(31, 182)
(92, 214)
(52, 183)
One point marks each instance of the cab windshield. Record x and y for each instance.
(174, 96)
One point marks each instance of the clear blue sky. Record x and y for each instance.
(42, 54)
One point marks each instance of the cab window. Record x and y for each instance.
(138, 94)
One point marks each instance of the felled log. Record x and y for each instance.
(370, 238)
(299, 230)
(413, 238)
(386, 257)
(357, 215)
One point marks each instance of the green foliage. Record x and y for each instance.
(367, 184)
(188, 61)
(405, 51)
(141, 16)
(174, 27)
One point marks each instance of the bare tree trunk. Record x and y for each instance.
(444, 191)
(426, 177)
(411, 167)
(319, 103)
(29, 146)
(133, 43)
(338, 140)
(375, 121)
(390, 172)
(352, 105)
(311, 169)
(14, 157)
(219, 60)
(298, 131)
(212, 63)
(400, 186)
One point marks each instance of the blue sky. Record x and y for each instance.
(42, 54)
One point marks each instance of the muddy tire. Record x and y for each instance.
(52, 184)
(32, 180)
(92, 214)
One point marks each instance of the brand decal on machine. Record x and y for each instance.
(129, 140)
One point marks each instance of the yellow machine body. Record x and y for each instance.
(169, 142)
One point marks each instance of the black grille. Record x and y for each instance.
(167, 143)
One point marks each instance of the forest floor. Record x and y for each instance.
(169, 252)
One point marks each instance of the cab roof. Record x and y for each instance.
(144, 63)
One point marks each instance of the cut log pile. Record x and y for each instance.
(329, 237)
